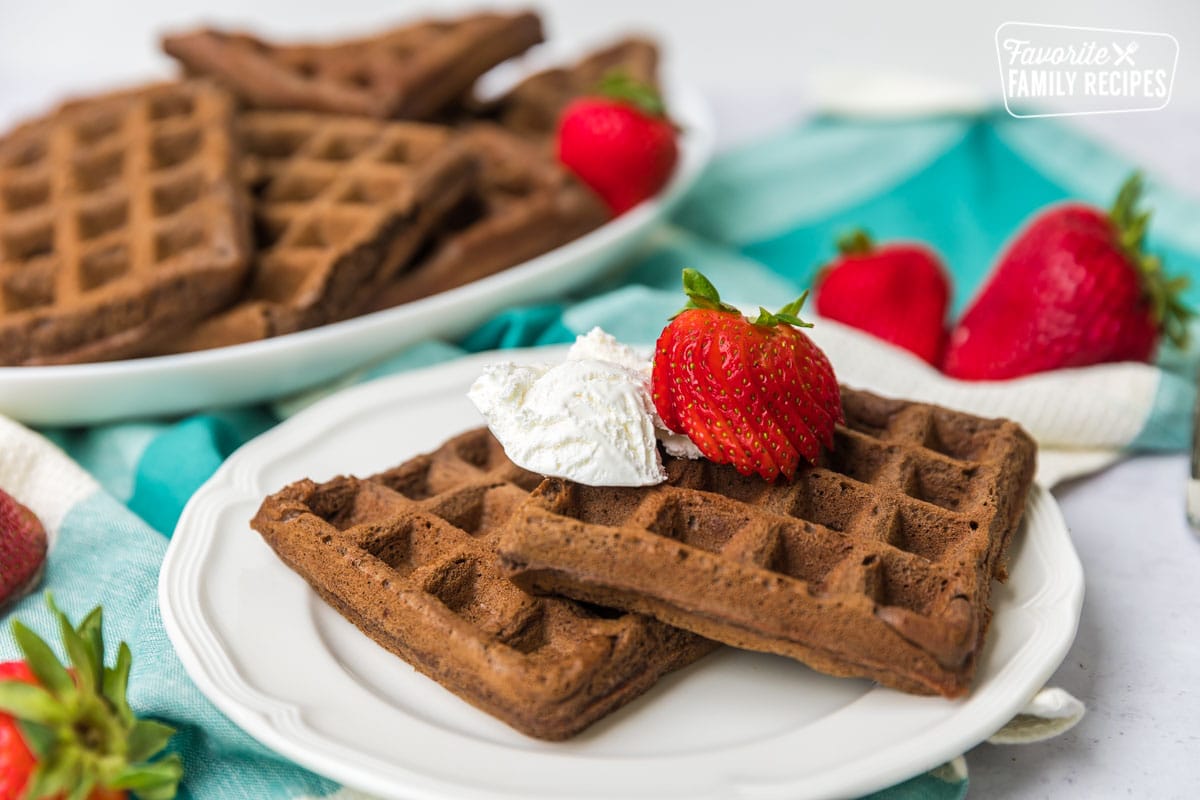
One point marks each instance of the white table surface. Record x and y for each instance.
(1136, 660)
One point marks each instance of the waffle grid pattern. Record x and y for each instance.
(341, 206)
(408, 556)
(116, 214)
(877, 562)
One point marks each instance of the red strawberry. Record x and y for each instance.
(621, 144)
(756, 394)
(897, 292)
(70, 732)
(16, 762)
(1073, 289)
(22, 549)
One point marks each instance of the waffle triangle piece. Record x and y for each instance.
(341, 206)
(121, 222)
(409, 557)
(877, 563)
(411, 72)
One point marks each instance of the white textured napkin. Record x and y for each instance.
(1083, 419)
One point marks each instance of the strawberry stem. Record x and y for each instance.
(79, 724)
(855, 243)
(1164, 293)
(619, 85)
(702, 294)
(788, 315)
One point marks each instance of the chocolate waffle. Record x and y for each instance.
(532, 106)
(877, 563)
(408, 556)
(341, 205)
(524, 204)
(411, 72)
(121, 221)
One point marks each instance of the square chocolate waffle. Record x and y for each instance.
(876, 563)
(523, 205)
(341, 204)
(411, 72)
(409, 557)
(121, 221)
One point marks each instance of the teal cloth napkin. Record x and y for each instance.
(760, 222)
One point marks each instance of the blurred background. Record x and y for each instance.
(760, 63)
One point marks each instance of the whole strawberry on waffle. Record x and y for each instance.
(757, 394)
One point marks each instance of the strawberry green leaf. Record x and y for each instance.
(855, 243)
(793, 320)
(116, 684)
(42, 661)
(788, 315)
(40, 739)
(619, 85)
(699, 289)
(55, 776)
(157, 781)
(33, 703)
(1127, 198)
(792, 309)
(83, 788)
(80, 653)
(91, 630)
(45, 783)
(87, 669)
(702, 294)
(146, 738)
(1162, 293)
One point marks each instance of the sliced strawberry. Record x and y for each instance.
(727, 387)
(755, 394)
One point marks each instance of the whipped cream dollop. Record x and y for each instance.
(590, 419)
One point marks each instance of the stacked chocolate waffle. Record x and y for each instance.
(876, 563)
(409, 557)
(282, 187)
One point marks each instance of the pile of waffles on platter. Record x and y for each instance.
(274, 188)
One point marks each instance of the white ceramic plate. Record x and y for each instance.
(295, 675)
(85, 394)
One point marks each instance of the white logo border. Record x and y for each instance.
(1004, 92)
